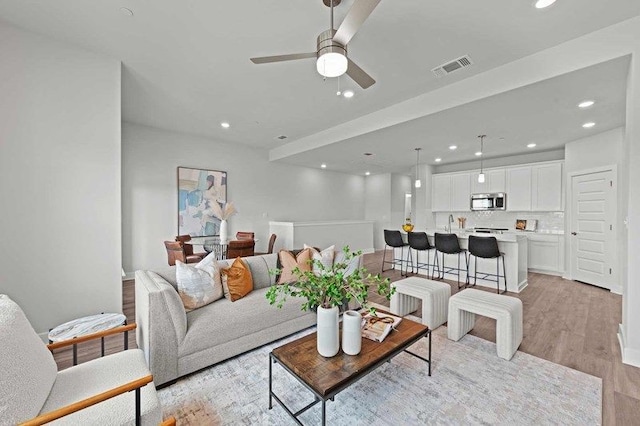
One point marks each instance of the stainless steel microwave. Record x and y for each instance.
(497, 201)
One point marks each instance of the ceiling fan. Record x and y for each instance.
(331, 49)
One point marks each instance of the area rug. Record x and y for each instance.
(469, 385)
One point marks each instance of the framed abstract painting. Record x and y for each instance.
(198, 189)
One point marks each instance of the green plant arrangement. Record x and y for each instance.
(331, 286)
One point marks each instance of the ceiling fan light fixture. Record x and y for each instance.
(332, 64)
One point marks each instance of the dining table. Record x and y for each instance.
(212, 244)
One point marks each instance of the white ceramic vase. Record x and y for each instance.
(351, 333)
(328, 340)
(223, 231)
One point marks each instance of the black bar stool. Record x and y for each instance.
(448, 244)
(420, 242)
(487, 248)
(394, 240)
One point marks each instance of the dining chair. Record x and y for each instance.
(272, 242)
(175, 251)
(244, 235)
(188, 248)
(240, 248)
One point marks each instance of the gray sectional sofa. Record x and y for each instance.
(176, 342)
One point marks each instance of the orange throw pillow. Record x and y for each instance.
(237, 281)
(289, 262)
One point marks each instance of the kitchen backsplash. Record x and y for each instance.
(547, 221)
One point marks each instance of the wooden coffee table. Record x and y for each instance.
(326, 377)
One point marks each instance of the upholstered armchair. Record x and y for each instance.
(116, 389)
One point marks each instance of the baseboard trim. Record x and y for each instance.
(629, 356)
(546, 272)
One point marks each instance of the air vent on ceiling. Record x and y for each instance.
(449, 67)
(281, 137)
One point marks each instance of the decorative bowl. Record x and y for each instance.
(407, 227)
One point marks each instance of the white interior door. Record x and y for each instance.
(592, 236)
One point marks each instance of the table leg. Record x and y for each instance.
(270, 389)
(324, 412)
(75, 354)
(429, 352)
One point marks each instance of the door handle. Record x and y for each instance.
(574, 233)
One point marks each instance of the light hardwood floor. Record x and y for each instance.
(565, 322)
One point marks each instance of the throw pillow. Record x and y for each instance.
(351, 266)
(237, 281)
(325, 257)
(197, 287)
(289, 262)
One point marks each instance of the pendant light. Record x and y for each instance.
(418, 181)
(481, 175)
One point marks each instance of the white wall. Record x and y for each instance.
(378, 205)
(59, 179)
(601, 150)
(400, 186)
(262, 191)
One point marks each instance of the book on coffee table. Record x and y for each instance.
(378, 326)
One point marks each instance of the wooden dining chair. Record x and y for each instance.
(240, 248)
(272, 241)
(243, 235)
(188, 248)
(175, 251)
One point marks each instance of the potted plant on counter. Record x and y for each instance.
(326, 288)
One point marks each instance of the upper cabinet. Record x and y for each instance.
(546, 185)
(461, 192)
(441, 193)
(533, 187)
(451, 192)
(519, 188)
(494, 181)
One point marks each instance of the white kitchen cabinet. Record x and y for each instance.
(461, 192)
(546, 184)
(519, 188)
(495, 181)
(546, 253)
(441, 193)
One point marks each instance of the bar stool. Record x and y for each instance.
(448, 244)
(394, 240)
(420, 242)
(487, 248)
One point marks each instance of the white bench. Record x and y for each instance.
(506, 310)
(433, 294)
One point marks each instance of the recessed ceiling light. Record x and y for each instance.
(478, 154)
(348, 94)
(586, 104)
(531, 145)
(225, 124)
(367, 173)
(324, 166)
(588, 125)
(453, 147)
(126, 11)
(541, 4)
(369, 154)
(437, 160)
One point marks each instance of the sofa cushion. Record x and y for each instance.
(324, 257)
(99, 375)
(236, 280)
(221, 321)
(198, 285)
(28, 368)
(289, 262)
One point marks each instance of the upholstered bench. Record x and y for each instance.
(506, 310)
(433, 294)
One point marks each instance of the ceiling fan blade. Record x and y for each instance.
(356, 16)
(282, 58)
(358, 75)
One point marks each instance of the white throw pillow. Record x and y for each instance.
(325, 257)
(351, 266)
(198, 285)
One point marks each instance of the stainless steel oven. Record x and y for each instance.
(496, 201)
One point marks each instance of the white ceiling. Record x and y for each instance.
(186, 64)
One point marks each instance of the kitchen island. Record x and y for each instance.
(513, 246)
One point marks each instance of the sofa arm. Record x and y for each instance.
(162, 324)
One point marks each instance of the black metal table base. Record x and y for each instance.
(330, 397)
